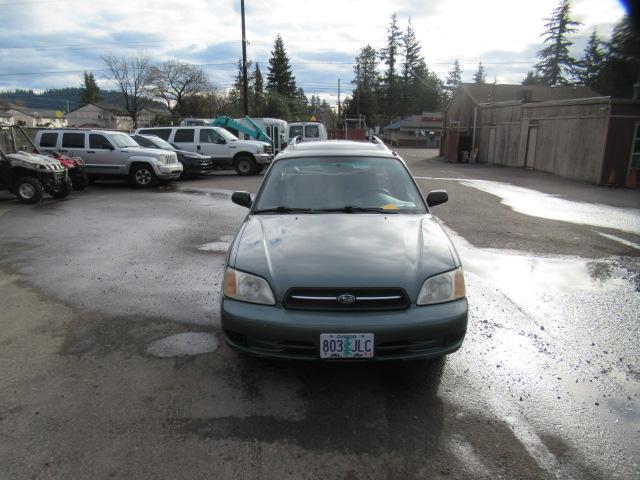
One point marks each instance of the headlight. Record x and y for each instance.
(261, 149)
(442, 288)
(247, 288)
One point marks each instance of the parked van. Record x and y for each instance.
(307, 131)
(111, 154)
(247, 157)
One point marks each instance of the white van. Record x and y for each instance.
(307, 131)
(247, 157)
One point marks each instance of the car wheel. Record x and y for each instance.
(143, 176)
(63, 191)
(245, 165)
(80, 182)
(29, 190)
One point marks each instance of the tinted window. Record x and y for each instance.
(312, 131)
(48, 139)
(73, 140)
(336, 182)
(163, 133)
(209, 135)
(295, 131)
(184, 135)
(143, 142)
(98, 142)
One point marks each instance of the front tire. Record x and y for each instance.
(245, 165)
(29, 190)
(63, 191)
(143, 176)
(80, 182)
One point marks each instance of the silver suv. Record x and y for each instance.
(109, 154)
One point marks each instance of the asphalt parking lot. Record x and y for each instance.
(113, 364)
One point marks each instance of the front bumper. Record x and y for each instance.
(275, 332)
(263, 158)
(169, 172)
(199, 166)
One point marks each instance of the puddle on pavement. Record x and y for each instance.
(183, 344)
(542, 205)
(219, 246)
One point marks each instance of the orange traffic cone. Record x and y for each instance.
(631, 182)
(612, 179)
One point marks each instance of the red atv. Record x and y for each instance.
(75, 167)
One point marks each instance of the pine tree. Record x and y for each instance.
(481, 74)
(366, 81)
(279, 76)
(532, 79)
(89, 90)
(588, 67)
(556, 65)
(389, 55)
(257, 92)
(412, 62)
(455, 76)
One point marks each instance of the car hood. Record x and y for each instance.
(343, 250)
(246, 143)
(33, 160)
(152, 152)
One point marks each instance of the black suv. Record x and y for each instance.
(193, 163)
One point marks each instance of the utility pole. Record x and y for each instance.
(245, 81)
(339, 112)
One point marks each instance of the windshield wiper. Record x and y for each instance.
(354, 209)
(282, 209)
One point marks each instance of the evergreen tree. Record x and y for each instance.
(412, 62)
(389, 55)
(588, 68)
(621, 66)
(532, 79)
(556, 65)
(257, 92)
(365, 94)
(454, 79)
(481, 74)
(89, 90)
(237, 89)
(279, 76)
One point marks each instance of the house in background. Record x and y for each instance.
(111, 117)
(31, 117)
(567, 131)
(415, 131)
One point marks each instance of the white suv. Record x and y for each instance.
(111, 154)
(247, 157)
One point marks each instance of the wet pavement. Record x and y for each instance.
(114, 364)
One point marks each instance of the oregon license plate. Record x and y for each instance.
(346, 345)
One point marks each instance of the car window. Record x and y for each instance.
(336, 182)
(163, 133)
(143, 142)
(295, 131)
(122, 140)
(73, 140)
(48, 139)
(312, 131)
(99, 142)
(209, 135)
(184, 135)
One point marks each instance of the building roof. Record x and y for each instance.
(489, 93)
(42, 113)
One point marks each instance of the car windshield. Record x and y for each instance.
(226, 134)
(122, 140)
(160, 143)
(349, 184)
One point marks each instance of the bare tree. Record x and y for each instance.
(175, 82)
(209, 104)
(133, 76)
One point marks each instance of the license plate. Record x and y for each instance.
(346, 345)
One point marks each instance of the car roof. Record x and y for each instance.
(78, 130)
(337, 147)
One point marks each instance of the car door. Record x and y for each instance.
(102, 158)
(213, 144)
(48, 142)
(185, 139)
(74, 145)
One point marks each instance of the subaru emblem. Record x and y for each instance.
(346, 299)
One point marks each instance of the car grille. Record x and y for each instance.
(346, 299)
(170, 159)
(268, 149)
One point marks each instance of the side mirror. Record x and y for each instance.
(221, 141)
(437, 197)
(242, 198)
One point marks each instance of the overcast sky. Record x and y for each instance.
(321, 38)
